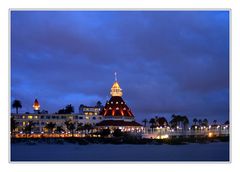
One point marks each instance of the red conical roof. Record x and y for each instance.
(116, 107)
(36, 105)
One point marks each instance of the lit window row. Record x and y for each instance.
(116, 103)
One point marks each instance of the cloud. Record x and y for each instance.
(167, 61)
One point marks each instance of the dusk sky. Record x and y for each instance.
(167, 61)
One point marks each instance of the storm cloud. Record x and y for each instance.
(167, 61)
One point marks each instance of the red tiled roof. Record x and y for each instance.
(118, 123)
(116, 107)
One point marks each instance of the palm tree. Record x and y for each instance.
(162, 122)
(29, 127)
(185, 122)
(195, 121)
(200, 122)
(59, 129)
(205, 122)
(14, 125)
(17, 104)
(145, 122)
(70, 126)
(175, 121)
(214, 121)
(152, 122)
(50, 126)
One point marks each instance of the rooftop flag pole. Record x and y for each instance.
(115, 76)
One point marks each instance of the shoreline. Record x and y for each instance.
(121, 140)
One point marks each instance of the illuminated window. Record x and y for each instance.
(117, 108)
(35, 117)
(124, 108)
(23, 117)
(24, 123)
(87, 117)
(30, 117)
(111, 102)
(121, 102)
(95, 113)
(86, 113)
(110, 108)
(116, 102)
(90, 113)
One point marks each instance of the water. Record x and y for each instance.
(107, 152)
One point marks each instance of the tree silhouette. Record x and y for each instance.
(29, 127)
(17, 104)
(195, 121)
(70, 126)
(105, 132)
(145, 122)
(117, 133)
(162, 122)
(50, 126)
(185, 122)
(205, 122)
(152, 122)
(80, 126)
(214, 121)
(99, 104)
(59, 129)
(226, 123)
(178, 120)
(69, 109)
(87, 127)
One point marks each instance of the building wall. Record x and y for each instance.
(40, 120)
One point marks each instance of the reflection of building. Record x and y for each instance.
(116, 113)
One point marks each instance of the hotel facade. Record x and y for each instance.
(114, 115)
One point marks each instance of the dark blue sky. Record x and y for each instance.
(167, 61)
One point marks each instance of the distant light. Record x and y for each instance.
(210, 134)
(164, 136)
